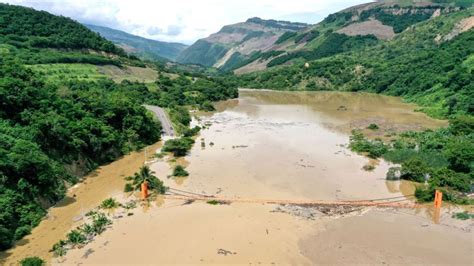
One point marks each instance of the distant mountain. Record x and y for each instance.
(234, 43)
(142, 47)
(258, 44)
(429, 59)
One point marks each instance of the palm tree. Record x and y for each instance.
(145, 174)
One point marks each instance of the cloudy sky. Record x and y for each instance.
(184, 20)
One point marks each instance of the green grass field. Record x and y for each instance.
(59, 73)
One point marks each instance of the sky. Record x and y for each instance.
(184, 21)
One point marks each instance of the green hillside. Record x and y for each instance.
(144, 48)
(62, 114)
(417, 64)
(350, 29)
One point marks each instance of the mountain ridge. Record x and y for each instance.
(255, 34)
(142, 47)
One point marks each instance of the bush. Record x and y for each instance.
(360, 144)
(87, 229)
(99, 223)
(179, 171)
(109, 203)
(32, 261)
(76, 237)
(179, 147)
(128, 188)
(415, 170)
(424, 194)
(191, 132)
(59, 249)
(373, 127)
(207, 106)
(463, 215)
(393, 173)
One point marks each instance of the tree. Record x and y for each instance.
(414, 169)
(179, 147)
(146, 175)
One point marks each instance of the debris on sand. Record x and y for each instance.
(342, 108)
(313, 212)
(224, 252)
(303, 212)
(239, 146)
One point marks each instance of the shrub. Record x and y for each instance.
(414, 169)
(393, 173)
(463, 215)
(87, 229)
(424, 194)
(359, 143)
(76, 237)
(191, 132)
(32, 261)
(128, 188)
(179, 171)
(214, 202)
(448, 178)
(373, 127)
(179, 147)
(109, 203)
(100, 222)
(59, 248)
(368, 167)
(207, 106)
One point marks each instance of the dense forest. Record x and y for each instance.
(50, 125)
(22, 26)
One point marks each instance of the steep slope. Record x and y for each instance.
(234, 43)
(430, 63)
(139, 46)
(353, 28)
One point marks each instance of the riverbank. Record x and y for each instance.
(106, 181)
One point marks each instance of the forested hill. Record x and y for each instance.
(139, 46)
(66, 107)
(21, 26)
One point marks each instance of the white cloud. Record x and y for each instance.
(184, 20)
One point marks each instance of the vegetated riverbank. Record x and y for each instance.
(272, 146)
(443, 157)
(102, 183)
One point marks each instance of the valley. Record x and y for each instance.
(275, 145)
(266, 142)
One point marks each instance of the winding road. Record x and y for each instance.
(165, 121)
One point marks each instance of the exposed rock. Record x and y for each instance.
(373, 27)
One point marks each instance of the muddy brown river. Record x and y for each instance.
(268, 145)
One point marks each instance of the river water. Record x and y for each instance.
(276, 145)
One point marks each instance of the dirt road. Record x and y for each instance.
(161, 115)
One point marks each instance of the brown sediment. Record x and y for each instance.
(106, 181)
(383, 237)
